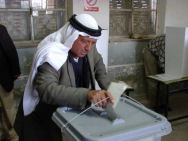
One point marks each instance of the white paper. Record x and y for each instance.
(166, 77)
(117, 89)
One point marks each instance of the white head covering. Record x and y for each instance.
(54, 50)
(83, 18)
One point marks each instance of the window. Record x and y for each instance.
(32, 20)
(133, 18)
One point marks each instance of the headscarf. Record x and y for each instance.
(54, 50)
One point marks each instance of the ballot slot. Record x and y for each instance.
(116, 89)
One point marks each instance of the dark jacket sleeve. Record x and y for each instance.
(9, 64)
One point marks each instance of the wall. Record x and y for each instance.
(125, 62)
(176, 13)
(172, 13)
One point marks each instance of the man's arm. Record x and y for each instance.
(50, 91)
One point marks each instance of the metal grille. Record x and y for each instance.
(141, 19)
(44, 24)
(19, 27)
(141, 4)
(121, 19)
(120, 4)
(143, 23)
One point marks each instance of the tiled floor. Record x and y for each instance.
(179, 106)
(179, 131)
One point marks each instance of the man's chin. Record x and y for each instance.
(82, 55)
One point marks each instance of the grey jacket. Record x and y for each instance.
(59, 88)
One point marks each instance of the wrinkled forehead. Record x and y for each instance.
(87, 38)
(87, 35)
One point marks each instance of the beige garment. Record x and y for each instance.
(7, 116)
(150, 66)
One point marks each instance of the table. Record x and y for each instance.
(167, 83)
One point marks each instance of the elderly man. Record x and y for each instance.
(63, 73)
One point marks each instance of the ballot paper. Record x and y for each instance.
(117, 89)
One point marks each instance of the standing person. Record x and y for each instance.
(10, 70)
(63, 73)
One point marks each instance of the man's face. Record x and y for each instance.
(82, 46)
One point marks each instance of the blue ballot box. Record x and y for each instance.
(137, 123)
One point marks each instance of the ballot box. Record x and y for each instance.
(135, 123)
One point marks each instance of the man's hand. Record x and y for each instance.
(94, 96)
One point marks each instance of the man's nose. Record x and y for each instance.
(88, 46)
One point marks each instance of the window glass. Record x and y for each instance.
(120, 4)
(144, 22)
(49, 4)
(28, 20)
(46, 23)
(17, 23)
(118, 20)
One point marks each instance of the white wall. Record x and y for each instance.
(176, 50)
(172, 13)
(176, 13)
(176, 37)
